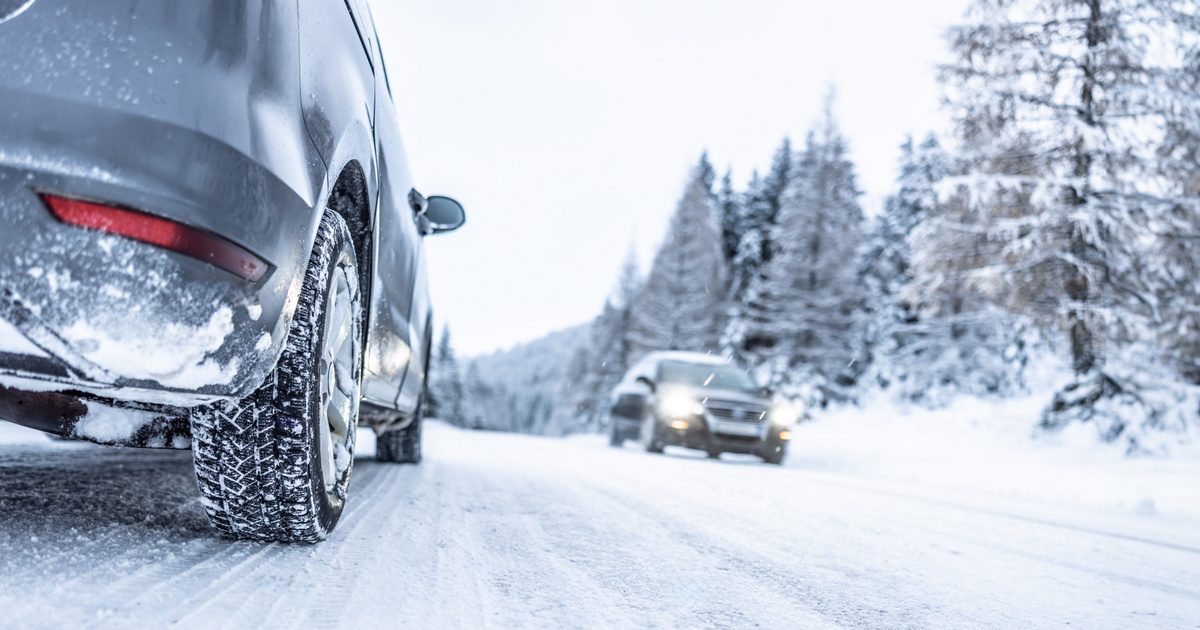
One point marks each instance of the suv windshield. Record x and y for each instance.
(711, 376)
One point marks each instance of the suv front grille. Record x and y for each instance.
(736, 411)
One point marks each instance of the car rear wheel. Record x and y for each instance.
(276, 464)
(401, 446)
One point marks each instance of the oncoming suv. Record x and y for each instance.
(701, 402)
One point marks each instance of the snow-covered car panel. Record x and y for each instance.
(184, 111)
(90, 298)
(223, 70)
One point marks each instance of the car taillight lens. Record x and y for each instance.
(158, 231)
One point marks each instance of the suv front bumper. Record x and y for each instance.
(704, 434)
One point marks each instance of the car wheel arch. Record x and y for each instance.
(350, 199)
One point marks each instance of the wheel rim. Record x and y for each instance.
(338, 382)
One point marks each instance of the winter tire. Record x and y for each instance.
(275, 465)
(648, 435)
(401, 446)
(775, 457)
(615, 438)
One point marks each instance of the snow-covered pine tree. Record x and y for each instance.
(445, 382)
(706, 174)
(680, 305)
(598, 366)
(729, 205)
(887, 258)
(1178, 315)
(804, 323)
(485, 405)
(760, 210)
(958, 340)
(1061, 108)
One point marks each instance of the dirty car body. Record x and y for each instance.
(164, 171)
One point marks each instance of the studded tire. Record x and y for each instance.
(259, 460)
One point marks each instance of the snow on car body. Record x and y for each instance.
(179, 184)
(701, 402)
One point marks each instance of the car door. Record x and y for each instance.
(398, 331)
(337, 82)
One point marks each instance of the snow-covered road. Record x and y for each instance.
(512, 531)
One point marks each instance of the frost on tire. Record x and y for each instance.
(276, 464)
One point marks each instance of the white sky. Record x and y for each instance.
(567, 128)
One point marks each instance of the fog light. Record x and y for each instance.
(679, 424)
(785, 435)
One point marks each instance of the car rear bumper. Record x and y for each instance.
(121, 319)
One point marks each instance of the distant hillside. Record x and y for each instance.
(519, 389)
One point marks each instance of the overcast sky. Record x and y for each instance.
(567, 127)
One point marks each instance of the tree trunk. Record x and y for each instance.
(1083, 352)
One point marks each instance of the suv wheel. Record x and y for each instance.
(276, 464)
(774, 456)
(649, 435)
(616, 437)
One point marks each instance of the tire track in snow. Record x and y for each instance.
(572, 540)
(243, 589)
(1034, 520)
(498, 531)
(172, 585)
(908, 526)
(1056, 535)
(508, 519)
(446, 555)
(348, 556)
(766, 593)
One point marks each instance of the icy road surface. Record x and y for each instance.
(508, 531)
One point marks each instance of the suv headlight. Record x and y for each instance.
(679, 405)
(784, 414)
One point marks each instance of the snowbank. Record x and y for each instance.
(990, 446)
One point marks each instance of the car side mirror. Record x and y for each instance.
(443, 214)
(647, 382)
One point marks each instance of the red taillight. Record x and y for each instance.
(166, 234)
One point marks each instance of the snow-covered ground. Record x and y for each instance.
(990, 448)
(877, 521)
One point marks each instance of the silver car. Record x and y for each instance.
(210, 238)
